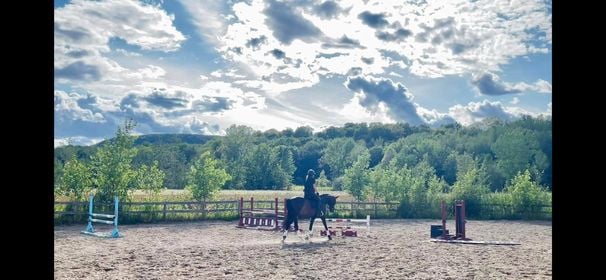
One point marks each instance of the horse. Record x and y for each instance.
(299, 207)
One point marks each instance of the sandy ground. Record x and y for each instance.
(395, 249)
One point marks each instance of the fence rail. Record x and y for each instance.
(132, 212)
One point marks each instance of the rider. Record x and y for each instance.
(309, 191)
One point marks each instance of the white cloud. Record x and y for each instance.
(88, 25)
(446, 38)
(76, 140)
(208, 17)
(83, 30)
(395, 74)
(67, 107)
(433, 39)
(384, 92)
(540, 85)
(478, 111)
(353, 111)
(432, 117)
(127, 53)
(490, 84)
(515, 101)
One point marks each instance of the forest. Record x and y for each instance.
(378, 161)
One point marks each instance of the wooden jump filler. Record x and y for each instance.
(263, 219)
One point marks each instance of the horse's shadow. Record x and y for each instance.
(311, 245)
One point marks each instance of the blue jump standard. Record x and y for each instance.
(90, 230)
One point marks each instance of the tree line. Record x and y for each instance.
(389, 162)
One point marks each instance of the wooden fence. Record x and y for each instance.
(134, 212)
(66, 212)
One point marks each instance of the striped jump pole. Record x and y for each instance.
(347, 221)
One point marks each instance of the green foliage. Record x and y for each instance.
(526, 193)
(111, 167)
(150, 178)
(322, 181)
(234, 151)
(258, 168)
(269, 168)
(173, 159)
(308, 157)
(413, 165)
(376, 155)
(303, 131)
(357, 178)
(282, 160)
(471, 187)
(206, 178)
(518, 149)
(75, 181)
(340, 154)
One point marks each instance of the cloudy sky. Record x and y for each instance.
(192, 66)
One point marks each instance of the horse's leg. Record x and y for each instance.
(296, 224)
(326, 228)
(311, 225)
(286, 226)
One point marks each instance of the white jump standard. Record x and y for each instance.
(90, 230)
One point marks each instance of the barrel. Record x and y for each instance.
(436, 231)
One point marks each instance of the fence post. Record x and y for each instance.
(203, 209)
(353, 211)
(375, 204)
(164, 211)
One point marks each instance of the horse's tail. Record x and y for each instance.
(287, 214)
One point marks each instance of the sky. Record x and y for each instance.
(191, 66)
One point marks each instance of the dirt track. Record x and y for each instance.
(395, 249)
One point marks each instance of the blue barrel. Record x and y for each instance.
(436, 231)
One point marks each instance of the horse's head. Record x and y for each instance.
(330, 200)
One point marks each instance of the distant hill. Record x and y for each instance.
(159, 139)
(173, 139)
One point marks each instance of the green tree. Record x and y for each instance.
(322, 181)
(376, 155)
(471, 187)
(526, 194)
(234, 151)
(303, 131)
(76, 180)
(340, 154)
(515, 150)
(150, 178)
(357, 177)
(283, 167)
(258, 167)
(112, 172)
(392, 184)
(205, 178)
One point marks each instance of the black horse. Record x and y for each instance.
(298, 207)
